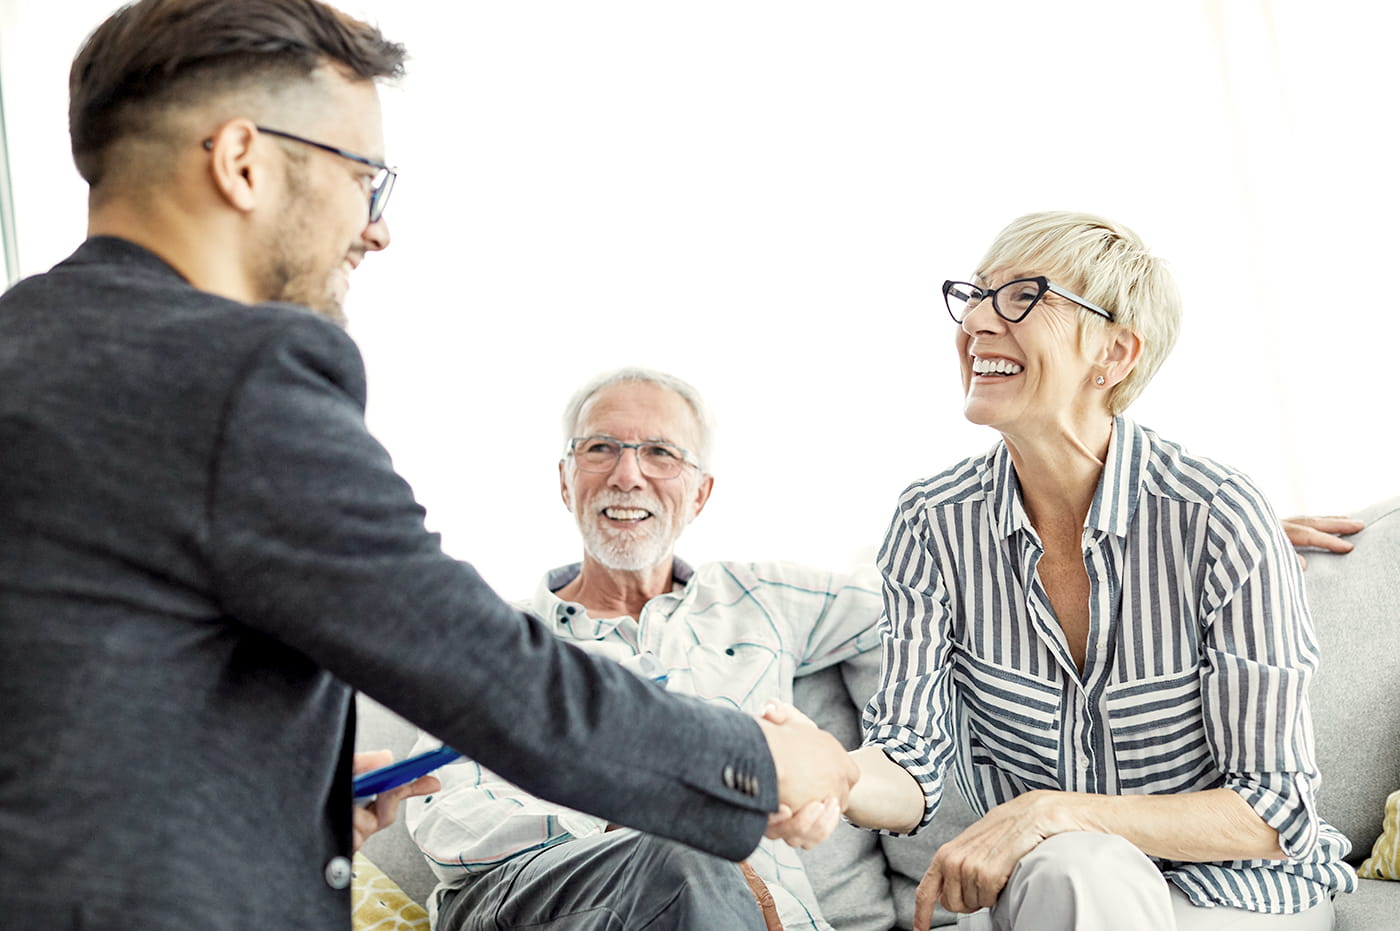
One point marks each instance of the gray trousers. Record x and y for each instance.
(1100, 882)
(618, 881)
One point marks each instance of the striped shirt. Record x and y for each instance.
(1200, 650)
(734, 634)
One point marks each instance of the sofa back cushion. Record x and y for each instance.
(1355, 604)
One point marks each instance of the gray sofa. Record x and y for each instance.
(866, 882)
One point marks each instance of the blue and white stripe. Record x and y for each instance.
(1200, 651)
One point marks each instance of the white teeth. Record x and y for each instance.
(625, 513)
(994, 367)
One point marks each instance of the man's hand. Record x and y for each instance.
(379, 814)
(969, 871)
(807, 827)
(812, 765)
(763, 897)
(1324, 533)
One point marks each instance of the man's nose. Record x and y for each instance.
(626, 474)
(376, 235)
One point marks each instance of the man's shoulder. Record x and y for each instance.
(117, 293)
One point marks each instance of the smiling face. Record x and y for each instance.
(630, 521)
(321, 231)
(1031, 376)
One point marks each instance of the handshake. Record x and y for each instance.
(815, 776)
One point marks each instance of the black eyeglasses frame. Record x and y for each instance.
(378, 192)
(1044, 286)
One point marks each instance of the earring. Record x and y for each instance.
(1099, 381)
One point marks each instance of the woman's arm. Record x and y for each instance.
(886, 796)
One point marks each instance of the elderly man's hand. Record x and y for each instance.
(1324, 533)
(380, 813)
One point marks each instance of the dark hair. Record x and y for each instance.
(156, 53)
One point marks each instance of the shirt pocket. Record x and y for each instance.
(744, 674)
(1012, 720)
(1159, 735)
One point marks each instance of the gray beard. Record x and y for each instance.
(626, 554)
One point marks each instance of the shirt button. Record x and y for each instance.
(1083, 763)
(338, 873)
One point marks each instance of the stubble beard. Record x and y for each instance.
(288, 270)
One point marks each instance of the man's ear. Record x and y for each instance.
(702, 494)
(1121, 350)
(235, 165)
(564, 493)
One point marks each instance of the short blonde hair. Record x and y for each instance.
(1104, 262)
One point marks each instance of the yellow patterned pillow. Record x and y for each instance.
(378, 904)
(1384, 861)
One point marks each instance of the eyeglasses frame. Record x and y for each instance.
(1045, 285)
(379, 193)
(686, 457)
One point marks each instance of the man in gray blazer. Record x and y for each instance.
(202, 550)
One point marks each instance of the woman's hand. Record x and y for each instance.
(969, 871)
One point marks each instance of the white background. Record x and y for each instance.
(764, 197)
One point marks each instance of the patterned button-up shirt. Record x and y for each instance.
(1200, 650)
(732, 633)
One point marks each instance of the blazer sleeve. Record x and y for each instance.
(314, 540)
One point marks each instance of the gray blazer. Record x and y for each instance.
(202, 552)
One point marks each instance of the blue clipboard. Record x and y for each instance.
(367, 785)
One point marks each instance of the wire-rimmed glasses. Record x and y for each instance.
(654, 459)
(383, 182)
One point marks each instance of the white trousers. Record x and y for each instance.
(1100, 882)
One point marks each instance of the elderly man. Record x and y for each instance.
(634, 474)
(202, 550)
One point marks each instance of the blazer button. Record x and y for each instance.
(338, 873)
(729, 777)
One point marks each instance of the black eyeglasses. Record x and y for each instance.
(1012, 301)
(383, 182)
(656, 460)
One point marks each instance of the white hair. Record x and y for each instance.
(637, 375)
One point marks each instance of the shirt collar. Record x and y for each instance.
(570, 616)
(1115, 500)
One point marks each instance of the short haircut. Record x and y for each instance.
(1107, 263)
(636, 375)
(154, 55)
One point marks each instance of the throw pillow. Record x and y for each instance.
(1384, 861)
(378, 904)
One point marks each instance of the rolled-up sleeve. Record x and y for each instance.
(1260, 654)
(909, 716)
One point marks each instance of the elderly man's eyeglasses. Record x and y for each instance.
(383, 182)
(656, 460)
(1012, 301)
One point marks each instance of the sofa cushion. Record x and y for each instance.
(378, 904)
(847, 870)
(1355, 604)
(1384, 861)
(908, 856)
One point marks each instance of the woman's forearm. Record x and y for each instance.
(1192, 827)
(886, 796)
